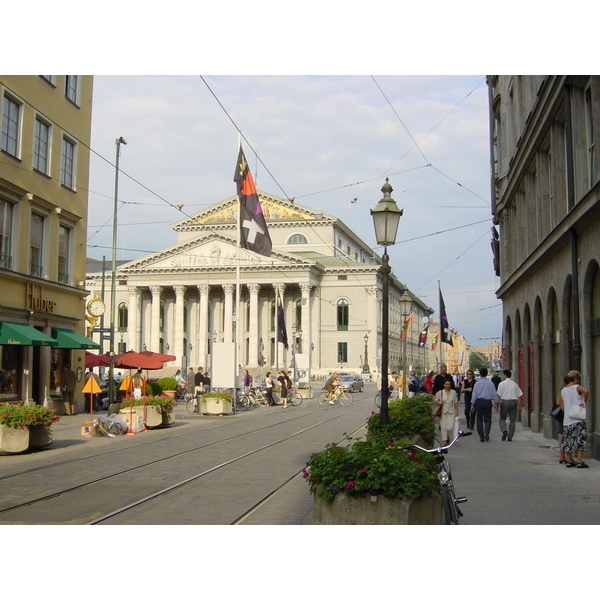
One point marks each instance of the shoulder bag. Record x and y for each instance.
(577, 412)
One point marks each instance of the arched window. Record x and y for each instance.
(340, 243)
(297, 238)
(342, 315)
(123, 316)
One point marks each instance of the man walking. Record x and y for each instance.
(199, 381)
(438, 382)
(484, 393)
(508, 392)
(69, 383)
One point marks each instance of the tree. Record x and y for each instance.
(478, 360)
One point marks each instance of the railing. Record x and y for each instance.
(35, 270)
(5, 260)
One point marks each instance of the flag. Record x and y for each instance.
(281, 331)
(406, 327)
(434, 341)
(444, 328)
(254, 233)
(423, 336)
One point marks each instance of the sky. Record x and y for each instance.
(329, 142)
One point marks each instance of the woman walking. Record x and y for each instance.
(448, 400)
(574, 431)
(269, 386)
(466, 389)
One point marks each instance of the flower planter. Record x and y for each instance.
(13, 440)
(152, 417)
(40, 436)
(215, 406)
(169, 393)
(344, 509)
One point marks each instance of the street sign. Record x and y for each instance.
(101, 329)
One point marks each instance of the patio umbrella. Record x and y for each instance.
(158, 356)
(95, 360)
(136, 360)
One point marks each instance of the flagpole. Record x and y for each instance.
(440, 331)
(237, 288)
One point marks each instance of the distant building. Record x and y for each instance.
(181, 300)
(546, 206)
(44, 167)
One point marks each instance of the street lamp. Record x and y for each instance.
(405, 303)
(366, 368)
(386, 217)
(111, 353)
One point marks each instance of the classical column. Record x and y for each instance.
(203, 333)
(316, 353)
(133, 327)
(307, 336)
(228, 326)
(253, 289)
(155, 321)
(178, 334)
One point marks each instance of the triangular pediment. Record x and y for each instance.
(209, 250)
(225, 213)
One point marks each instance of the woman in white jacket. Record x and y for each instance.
(448, 400)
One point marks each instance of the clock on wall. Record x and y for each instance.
(96, 307)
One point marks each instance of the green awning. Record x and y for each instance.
(71, 339)
(18, 334)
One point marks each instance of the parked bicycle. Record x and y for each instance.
(337, 395)
(450, 501)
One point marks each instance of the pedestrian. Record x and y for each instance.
(199, 381)
(190, 381)
(496, 380)
(394, 386)
(97, 404)
(414, 385)
(458, 379)
(206, 382)
(467, 392)
(428, 383)
(269, 386)
(286, 385)
(574, 430)
(448, 400)
(559, 418)
(508, 392)
(68, 383)
(247, 381)
(483, 399)
(438, 381)
(138, 384)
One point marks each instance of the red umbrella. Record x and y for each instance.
(136, 360)
(158, 356)
(95, 360)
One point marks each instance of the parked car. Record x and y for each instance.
(352, 383)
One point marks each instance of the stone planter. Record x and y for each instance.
(376, 510)
(210, 406)
(40, 436)
(13, 440)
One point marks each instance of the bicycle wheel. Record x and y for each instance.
(449, 505)
(192, 406)
(248, 402)
(345, 398)
(323, 399)
(377, 399)
(295, 399)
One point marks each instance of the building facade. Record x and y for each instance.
(183, 299)
(44, 167)
(545, 202)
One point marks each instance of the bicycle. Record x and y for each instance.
(449, 500)
(294, 397)
(191, 405)
(338, 394)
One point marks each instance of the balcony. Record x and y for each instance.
(5, 261)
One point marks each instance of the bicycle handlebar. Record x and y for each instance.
(440, 449)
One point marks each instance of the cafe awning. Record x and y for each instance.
(71, 339)
(19, 334)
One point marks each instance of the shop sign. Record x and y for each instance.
(34, 299)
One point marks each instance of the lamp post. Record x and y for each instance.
(111, 352)
(366, 368)
(386, 217)
(405, 303)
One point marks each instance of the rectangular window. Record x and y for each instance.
(63, 254)
(342, 315)
(5, 233)
(342, 352)
(67, 164)
(41, 146)
(9, 139)
(36, 239)
(71, 88)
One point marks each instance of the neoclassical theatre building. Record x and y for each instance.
(182, 299)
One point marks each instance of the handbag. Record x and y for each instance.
(577, 412)
(438, 411)
(557, 413)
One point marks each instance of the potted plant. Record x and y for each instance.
(168, 386)
(410, 421)
(155, 411)
(25, 427)
(373, 482)
(216, 403)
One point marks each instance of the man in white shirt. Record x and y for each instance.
(508, 392)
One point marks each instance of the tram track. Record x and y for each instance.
(64, 493)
